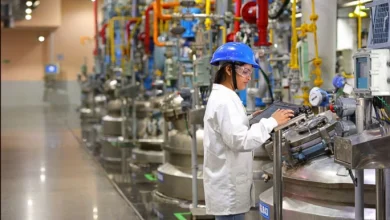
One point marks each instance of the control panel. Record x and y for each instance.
(298, 110)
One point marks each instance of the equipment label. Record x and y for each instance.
(160, 177)
(264, 210)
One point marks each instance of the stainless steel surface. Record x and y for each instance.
(323, 180)
(367, 150)
(359, 175)
(196, 116)
(387, 185)
(345, 107)
(345, 128)
(278, 180)
(298, 208)
(46, 174)
(194, 163)
(359, 195)
(380, 194)
(147, 156)
(177, 183)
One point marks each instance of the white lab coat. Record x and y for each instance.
(228, 153)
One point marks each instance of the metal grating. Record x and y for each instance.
(381, 24)
(379, 28)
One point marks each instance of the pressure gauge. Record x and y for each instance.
(318, 97)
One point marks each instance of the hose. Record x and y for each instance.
(280, 11)
(268, 83)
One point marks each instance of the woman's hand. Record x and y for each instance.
(282, 116)
(254, 114)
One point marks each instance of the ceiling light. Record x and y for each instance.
(298, 15)
(28, 11)
(29, 3)
(41, 38)
(28, 17)
(36, 3)
(354, 3)
(92, 0)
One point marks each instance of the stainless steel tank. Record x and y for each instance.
(174, 188)
(314, 187)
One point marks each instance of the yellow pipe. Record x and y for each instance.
(223, 28)
(207, 22)
(111, 34)
(294, 38)
(359, 29)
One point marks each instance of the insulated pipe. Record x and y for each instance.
(238, 14)
(262, 22)
(133, 77)
(95, 15)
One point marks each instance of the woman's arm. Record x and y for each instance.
(235, 133)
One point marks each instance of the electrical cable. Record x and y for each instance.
(282, 8)
(268, 83)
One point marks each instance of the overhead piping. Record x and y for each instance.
(262, 22)
(95, 15)
(237, 15)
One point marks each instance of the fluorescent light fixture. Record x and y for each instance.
(41, 38)
(28, 11)
(28, 17)
(29, 3)
(353, 3)
(43, 178)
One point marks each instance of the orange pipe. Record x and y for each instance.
(162, 16)
(155, 28)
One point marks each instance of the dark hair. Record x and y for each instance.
(220, 75)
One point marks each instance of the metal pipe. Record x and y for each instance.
(155, 30)
(207, 22)
(133, 78)
(194, 162)
(387, 189)
(262, 22)
(359, 174)
(159, 13)
(95, 16)
(278, 178)
(237, 14)
(380, 194)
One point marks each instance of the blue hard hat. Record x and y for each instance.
(234, 52)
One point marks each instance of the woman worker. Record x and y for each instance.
(228, 140)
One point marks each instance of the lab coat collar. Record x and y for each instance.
(221, 87)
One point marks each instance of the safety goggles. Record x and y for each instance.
(244, 72)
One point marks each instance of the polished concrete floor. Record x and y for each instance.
(45, 174)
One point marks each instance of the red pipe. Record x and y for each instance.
(238, 14)
(262, 22)
(95, 15)
(103, 33)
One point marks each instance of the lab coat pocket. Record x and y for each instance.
(242, 189)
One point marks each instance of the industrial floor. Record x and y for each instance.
(47, 174)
